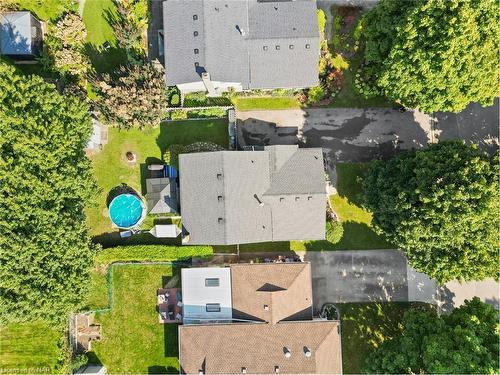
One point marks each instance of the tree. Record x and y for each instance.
(440, 205)
(135, 97)
(45, 182)
(434, 55)
(464, 342)
(66, 43)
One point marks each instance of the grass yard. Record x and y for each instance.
(358, 231)
(29, 348)
(265, 102)
(47, 9)
(111, 168)
(96, 16)
(365, 326)
(133, 339)
(98, 294)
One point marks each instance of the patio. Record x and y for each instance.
(169, 305)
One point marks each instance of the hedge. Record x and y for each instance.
(150, 253)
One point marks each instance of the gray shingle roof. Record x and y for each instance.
(237, 41)
(236, 197)
(161, 195)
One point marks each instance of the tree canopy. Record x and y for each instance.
(45, 181)
(434, 55)
(464, 342)
(136, 96)
(440, 205)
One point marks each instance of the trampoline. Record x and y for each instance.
(126, 211)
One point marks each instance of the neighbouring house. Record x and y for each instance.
(214, 45)
(255, 319)
(237, 197)
(20, 35)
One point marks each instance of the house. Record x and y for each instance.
(237, 197)
(20, 35)
(214, 45)
(255, 319)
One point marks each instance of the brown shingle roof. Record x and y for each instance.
(284, 288)
(259, 347)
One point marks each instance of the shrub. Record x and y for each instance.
(175, 100)
(321, 23)
(178, 114)
(150, 253)
(202, 147)
(334, 231)
(315, 94)
(209, 112)
(171, 156)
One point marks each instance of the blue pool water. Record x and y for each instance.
(125, 210)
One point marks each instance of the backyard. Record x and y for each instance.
(133, 339)
(111, 168)
(365, 326)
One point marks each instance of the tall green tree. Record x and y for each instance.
(135, 96)
(45, 181)
(440, 205)
(434, 55)
(464, 342)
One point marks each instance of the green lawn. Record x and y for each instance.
(133, 339)
(29, 348)
(111, 168)
(98, 294)
(265, 102)
(365, 326)
(96, 16)
(47, 9)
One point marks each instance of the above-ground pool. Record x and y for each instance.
(126, 210)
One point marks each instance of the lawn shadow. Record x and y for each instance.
(117, 190)
(350, 178)
(158, 369)
(356, 236)
(93, 359)
(105, 58)
(171, 340)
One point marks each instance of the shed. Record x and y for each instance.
(20, 35)
(165, 231)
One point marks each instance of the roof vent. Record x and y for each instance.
(219, 176)
(243, 370)
(219, 198)
(195, 33)
(264, 48)
(276, 369)
(200, 372)
(220, 220)
(290, 46)
(307, 352)
(287, 352)
(282, 199)
(297, 198)
(277, 47)
(258, 200)
(309, 197)
(308, 46)
(195, 17)
(266, 307)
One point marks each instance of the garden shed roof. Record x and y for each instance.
(161, 195)
(236, 197)
(259, 44)
(20, 34)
